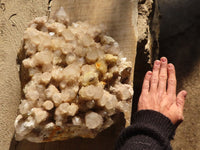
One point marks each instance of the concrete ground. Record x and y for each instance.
(179, 42)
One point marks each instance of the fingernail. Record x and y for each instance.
(157, 62)
(163, 59)
(185, 93)
(149, 73)
(170, 66)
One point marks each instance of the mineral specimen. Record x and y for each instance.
(77, 81)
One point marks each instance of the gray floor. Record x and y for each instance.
(179, 42)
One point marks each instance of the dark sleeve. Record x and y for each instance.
(150, 130)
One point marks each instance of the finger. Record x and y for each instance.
(171, 89)
(163, 75)
(154, 78)
(180, 100)
(146, 82)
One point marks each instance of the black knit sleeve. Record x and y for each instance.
(150, 130)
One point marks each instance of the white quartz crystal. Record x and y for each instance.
(48, 105)
(93, 120)
(76, 121)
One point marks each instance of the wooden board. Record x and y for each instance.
(120, 19)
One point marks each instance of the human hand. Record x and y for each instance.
(159, 92)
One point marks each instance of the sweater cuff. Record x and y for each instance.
(155, 121)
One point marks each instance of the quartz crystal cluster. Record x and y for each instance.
(77, 80)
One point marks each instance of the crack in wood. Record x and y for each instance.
(2, 6)
(49, 1)
(12, 16)
(49, 8)
(13, 23)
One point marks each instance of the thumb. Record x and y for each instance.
(180, 100)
